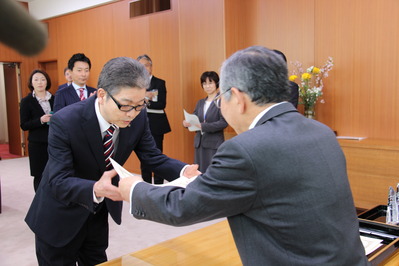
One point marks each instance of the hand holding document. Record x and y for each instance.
(182, 181)
(193, 120)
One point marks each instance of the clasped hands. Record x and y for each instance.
(104, 187)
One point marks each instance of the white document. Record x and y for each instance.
(351, 138)
(370, 244)
(193, 120)
(182, 181)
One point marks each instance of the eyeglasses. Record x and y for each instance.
(128, 108)
(217, 99)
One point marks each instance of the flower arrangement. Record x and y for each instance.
(311, 85)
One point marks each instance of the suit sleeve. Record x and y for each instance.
(227, 188)
(215, 125)
(27, 118)
(151, 156)
(59, 101)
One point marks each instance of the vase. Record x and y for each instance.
(310, 111)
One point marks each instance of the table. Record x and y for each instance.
(212, 245)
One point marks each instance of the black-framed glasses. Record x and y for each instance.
(217, 99)
(128, 108)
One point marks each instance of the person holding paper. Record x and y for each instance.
(69, 213)
(281, 182)
(35, 115)
(159, 124)
(210, 134)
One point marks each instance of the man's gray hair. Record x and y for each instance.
(122, 72)
(146, 57)
(257, 71)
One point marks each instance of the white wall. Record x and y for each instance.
(43, 9)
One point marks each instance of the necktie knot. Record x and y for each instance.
(111, 130)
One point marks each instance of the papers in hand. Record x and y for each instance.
(122, 172)
(182, 181)
(193, 120)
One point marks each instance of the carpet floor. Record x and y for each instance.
(17, 240)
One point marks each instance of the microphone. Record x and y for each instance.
(19, 30)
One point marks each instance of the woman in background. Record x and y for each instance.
(208, 139)
(35, 114)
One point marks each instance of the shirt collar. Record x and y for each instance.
(104, 125)
(76, 87)
(261, 114)
(46, 98)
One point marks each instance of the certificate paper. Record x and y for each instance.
(182, 181)
(193, 120)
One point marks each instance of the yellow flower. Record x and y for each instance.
(306, 76)
(316, 70)
(293, 77)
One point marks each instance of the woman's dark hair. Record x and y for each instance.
(212, 76)
(30, 86)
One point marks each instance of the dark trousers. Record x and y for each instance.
(87, 248)
(146, 172)
(36, 182)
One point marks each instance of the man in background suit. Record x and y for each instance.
(69, 213)
(68, 78)
(281, 181)
(294, 88)
(159, 124)
(80, 66)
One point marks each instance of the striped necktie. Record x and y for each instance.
(82, 95)
(108, 147)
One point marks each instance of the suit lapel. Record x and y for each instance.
(91, 129)
(72, 93)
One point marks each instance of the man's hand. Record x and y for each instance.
(125, 185)
(93, 93)
(191, 171)
(104, 187)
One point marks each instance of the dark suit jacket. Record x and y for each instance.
(294, 93)
(67, 96)
(30, 113)
(159, 123)
(64, 199)
(212, 128)
(62, 86)
(284, 188)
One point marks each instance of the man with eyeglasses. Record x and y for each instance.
(281, 182)
(69, 213)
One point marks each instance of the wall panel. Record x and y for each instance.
(201, 33)
(361, 93)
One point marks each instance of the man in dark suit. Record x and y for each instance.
(159, 124)
(80, 66)
(69, 213)
(281, 182)
(294, 88)
(68, 78)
